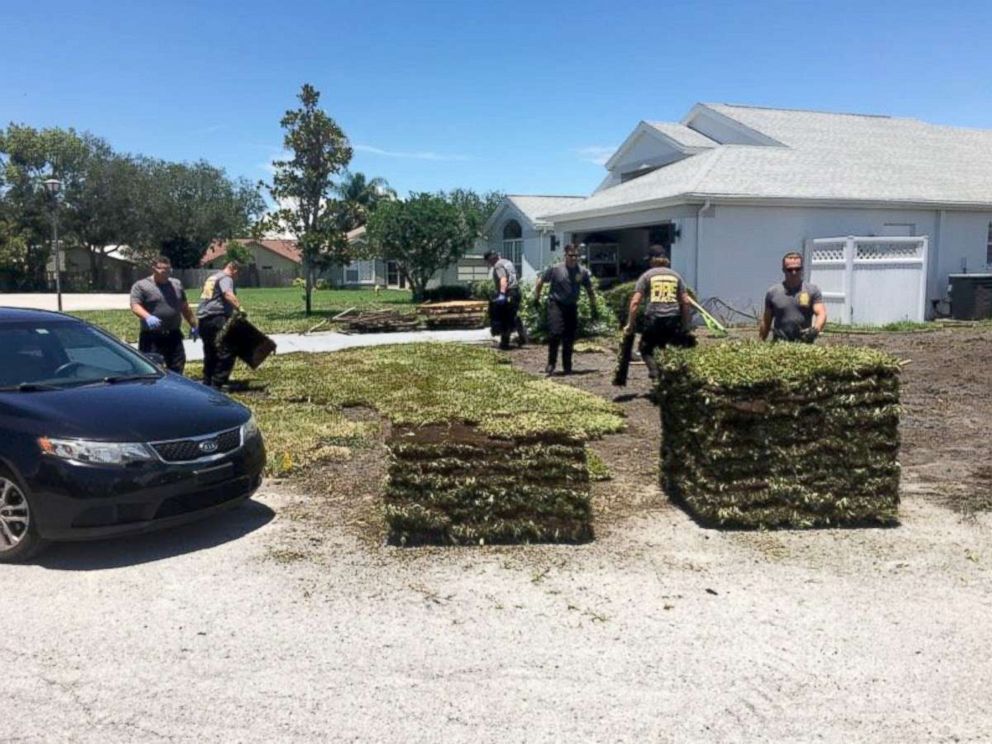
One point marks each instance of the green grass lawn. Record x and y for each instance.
(299, 399)
(272, 310)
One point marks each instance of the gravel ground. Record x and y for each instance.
(288, 620)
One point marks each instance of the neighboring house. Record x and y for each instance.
(118, 272)
(271, 256)
(517, 231)
(365, 273)
(730, 189)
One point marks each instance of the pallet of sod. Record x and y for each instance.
(453, 485)
(781, 435)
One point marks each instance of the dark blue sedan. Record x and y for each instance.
(96, 440)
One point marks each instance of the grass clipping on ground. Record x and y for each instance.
(480, 452)
(781, 435)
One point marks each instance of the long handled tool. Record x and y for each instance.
(712, 323)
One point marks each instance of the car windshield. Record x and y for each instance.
(42, 356)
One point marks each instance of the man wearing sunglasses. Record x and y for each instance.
(794, 309)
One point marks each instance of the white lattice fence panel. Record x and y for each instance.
(887, 251)
(870, 280)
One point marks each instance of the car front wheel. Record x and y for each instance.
(18, 536)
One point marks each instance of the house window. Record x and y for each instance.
(359, 272)
(513, 245)
(988, 246)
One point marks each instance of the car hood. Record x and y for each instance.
(170, 407)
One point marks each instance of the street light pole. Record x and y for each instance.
(52, 185)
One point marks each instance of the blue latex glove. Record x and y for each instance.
(194, 333)
(153, 323)
(501, 299)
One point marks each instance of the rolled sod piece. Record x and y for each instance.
(622, 369)
(454, 485)
(780, 435)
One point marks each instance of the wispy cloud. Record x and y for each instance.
(597, 154)
(419, 155)
(274, 155)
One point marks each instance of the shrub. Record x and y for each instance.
(299, 282)
(322, 283)
(618, 300)
(536, 318)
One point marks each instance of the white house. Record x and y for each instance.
(731, 188)
(518, 233)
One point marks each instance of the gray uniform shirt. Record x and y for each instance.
(792, 309)
(566, 283)
(212, 300)
(661, 287)
(164, 301)
(504, 267)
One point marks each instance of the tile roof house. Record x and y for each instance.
(730, 188)
(276, 254)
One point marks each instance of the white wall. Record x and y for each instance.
(741, 247)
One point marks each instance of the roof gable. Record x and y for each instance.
(657, 143)
(797, 156)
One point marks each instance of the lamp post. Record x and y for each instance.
(52, 186)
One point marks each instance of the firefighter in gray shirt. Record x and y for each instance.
(794, 309)
(566, 280)
(160, 302)
(667, 319)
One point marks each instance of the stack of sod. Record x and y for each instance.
(454, 485)
(781, 435)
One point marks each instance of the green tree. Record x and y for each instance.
(423, 234)
(237, 251)
(190, 205)
(303, 185)
(476, 208)
(359, 196)
(107, 210)
(27, 157)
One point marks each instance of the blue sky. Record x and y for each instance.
(518, 96)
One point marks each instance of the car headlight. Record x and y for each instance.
(96, 453)
(249, 428)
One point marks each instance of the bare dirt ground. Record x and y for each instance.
(290, 620)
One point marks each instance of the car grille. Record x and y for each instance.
(188, 450)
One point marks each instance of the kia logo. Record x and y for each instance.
(208, 446)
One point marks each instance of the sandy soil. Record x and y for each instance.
(289, 620)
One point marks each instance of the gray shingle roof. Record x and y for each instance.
(826, 157)
(683, 134)
(535, 207)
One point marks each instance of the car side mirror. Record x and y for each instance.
(157, 359)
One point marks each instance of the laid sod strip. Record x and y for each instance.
(479, 452)
(781, 435)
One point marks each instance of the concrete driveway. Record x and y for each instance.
(70, 302)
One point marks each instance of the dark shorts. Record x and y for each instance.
(168, 344)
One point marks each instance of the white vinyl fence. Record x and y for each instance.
(870, 280)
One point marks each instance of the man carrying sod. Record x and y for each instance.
(667, 315)
(794, 309)
(566, 280)
(505, 304)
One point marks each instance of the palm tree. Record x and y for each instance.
(359, 198)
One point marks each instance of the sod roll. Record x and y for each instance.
(780, 435)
